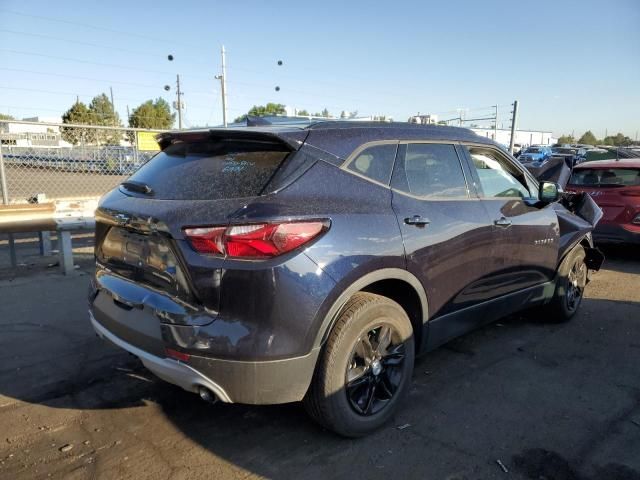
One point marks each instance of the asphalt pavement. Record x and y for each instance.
(518, 399)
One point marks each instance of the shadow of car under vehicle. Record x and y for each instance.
(512, 386)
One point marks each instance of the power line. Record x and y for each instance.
(97, 27)
(90, 62)
(95, 45)
(91, 95)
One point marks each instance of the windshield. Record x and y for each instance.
(609, 177)
(533, 150)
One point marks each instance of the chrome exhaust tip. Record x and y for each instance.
(207, 395)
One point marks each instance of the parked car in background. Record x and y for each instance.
(615, 187)
(268, 265)
(535, 154)
(518, 148)
(572, 155)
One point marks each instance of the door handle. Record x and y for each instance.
(417, 220)
(502, 222)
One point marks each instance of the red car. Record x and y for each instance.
(615, 187)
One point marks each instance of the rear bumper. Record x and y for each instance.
(614, 233)
(262, 382)
(167, 369)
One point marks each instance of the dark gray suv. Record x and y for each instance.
(267, 265)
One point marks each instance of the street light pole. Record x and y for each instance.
(514, 119)
(223, 87)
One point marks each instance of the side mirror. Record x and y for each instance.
(549, 192)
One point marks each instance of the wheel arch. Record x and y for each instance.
(399, 285)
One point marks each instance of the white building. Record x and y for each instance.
(522, 137)
(428, 119)
(17, 134)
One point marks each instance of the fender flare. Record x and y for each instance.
(383, 274)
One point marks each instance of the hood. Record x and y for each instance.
(554, 170)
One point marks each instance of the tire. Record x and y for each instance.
(572, 279)
(364, 371)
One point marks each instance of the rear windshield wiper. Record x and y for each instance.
(138, 187)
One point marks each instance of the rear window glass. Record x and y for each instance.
(211, 170)
(606, 177)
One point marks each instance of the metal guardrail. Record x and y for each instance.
(42, 162)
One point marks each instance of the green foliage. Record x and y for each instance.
(566, 139)
(103, 112)
(618, 140)
(588, 138)
(4, 116)
(152, 114)
(100, 112)
(263, 110)
(325, 113)
(303, 113)
(80, 115)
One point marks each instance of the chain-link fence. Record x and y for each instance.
(41, 161)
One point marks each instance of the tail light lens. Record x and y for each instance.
(262, 240)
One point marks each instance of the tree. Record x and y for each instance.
(152, 114)
(325, 113)
(78, 114)
(618, 140)
(103, 113)
(343, 114)
(303, 113)
(588, 138)
(566, 139)
(4, 116)
(263, 110)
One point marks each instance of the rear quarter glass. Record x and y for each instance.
(211, 170)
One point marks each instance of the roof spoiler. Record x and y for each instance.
(292, 139)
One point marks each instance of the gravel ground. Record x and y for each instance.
(555, 402)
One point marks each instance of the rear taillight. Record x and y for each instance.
(262, 240)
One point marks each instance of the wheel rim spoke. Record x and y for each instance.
(374, 372)
(386, 386)
(371, 393)
(395, 356)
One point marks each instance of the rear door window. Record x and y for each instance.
(211, 170)
(375, 162)
(430, 170)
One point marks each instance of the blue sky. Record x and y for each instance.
(573, 65)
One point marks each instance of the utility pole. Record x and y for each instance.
(223, 88)
(113, 106)
(495, 125)
(128, 114)
(179, 102)
(514, 119)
